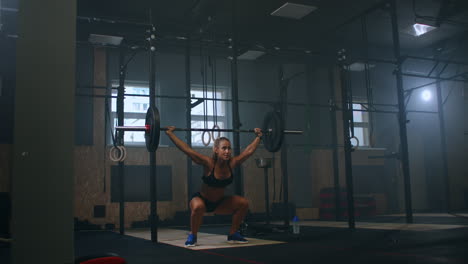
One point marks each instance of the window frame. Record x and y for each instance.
(364, 124)
(221, 119)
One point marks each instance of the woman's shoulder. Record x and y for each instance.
(210, 164)
(233, 163)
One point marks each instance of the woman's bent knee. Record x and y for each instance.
(198, 208)
(243, 203)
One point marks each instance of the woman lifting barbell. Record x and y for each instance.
(217, 175)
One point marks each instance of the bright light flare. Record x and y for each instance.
(420, 29)
(426, 95)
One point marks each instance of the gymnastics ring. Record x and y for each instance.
(215, 127)
(124, 156)
(203, 138)
(118, 153)
(357, 142)
(112, 155)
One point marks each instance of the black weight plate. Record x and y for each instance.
(152, 136)
(273, 131)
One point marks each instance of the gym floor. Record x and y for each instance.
(433, 238)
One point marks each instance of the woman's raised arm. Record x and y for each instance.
(195, 156)
(249, 150)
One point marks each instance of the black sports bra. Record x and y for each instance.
(211, 181)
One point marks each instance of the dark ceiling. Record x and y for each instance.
(333, 24)
(331, 20)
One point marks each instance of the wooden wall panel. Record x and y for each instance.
(89, 181)
(254, 181)
(321, 161)
(361, 157)
(89, 185)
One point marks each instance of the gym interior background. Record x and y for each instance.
(381, 103)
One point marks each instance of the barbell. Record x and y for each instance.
(273, 130)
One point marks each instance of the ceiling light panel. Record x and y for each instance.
(251, 55)
(105, 39)
(294, 11)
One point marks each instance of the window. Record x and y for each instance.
(215, 111)
(135, 108)
(361, 125)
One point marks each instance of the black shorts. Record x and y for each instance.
(210, 206)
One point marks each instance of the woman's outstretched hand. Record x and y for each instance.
(258, 132)
(170, 129)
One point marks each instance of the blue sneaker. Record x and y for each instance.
(237, 238)
(191, 240)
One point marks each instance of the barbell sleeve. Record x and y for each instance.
(132, 128)
(297, 132)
